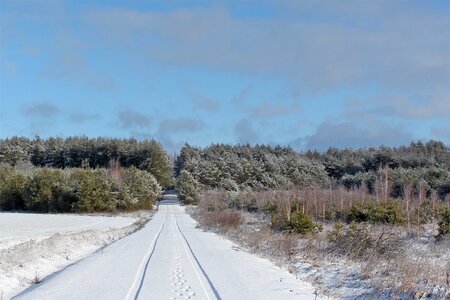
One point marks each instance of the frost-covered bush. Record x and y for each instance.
(359, 242)
(229, 184)
(143, 188)
(76, 190)
(76, 152)
(354, 241)
(188, 188)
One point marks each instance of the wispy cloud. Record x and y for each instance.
(9, 67)
(355, 127)
(71, 65)
(311, 54)
(433, 104)
(246, 133)
(442, 133)
(177, 125)
(41, 110)
(242, 96)
(352, 135)
(129, 119)
(205, 103)
(81, 117)
(268, 110)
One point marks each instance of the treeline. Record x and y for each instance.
(83, 152)
(247, 167)
(80, 174)
(419, 169)
(76, 189)
(352, 161)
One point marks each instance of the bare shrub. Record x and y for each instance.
(212, 200)
(418, 274)
(285, 245)
(36, 279)
(373, 252)
(226, 219)
(358, 242)
(353, 241)
(116, 171)
(258, 240)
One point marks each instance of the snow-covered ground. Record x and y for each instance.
(170, 258)
(414, 259)
(33, 246)
(16, 228)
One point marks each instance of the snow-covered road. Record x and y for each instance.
(171, 259)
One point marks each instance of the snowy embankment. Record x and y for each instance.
(33, 246)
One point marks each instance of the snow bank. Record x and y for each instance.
(33, 246)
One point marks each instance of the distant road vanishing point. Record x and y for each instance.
(170, 259)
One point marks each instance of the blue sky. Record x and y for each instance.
(310, 74)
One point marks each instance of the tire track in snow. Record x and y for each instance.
(209, 288)
(144, 265)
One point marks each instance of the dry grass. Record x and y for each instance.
(258, 240)
(285, 245)
(333, 204)
(224, 219)
(419, 273)
(393, 261)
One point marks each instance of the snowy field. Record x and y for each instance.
(16, 228)
(33, 246)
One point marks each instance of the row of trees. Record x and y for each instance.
(82, 152)
(419, 169)
(247, 167)
(77, 189)
(349, 161)
(387, 182)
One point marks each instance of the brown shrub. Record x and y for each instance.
(225, 219)
(257, 240)
(285, 245)
(359, 242)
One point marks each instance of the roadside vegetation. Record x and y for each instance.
(357, 223)
(350, 221)
(81, 175)
(84, 152)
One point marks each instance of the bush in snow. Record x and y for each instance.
(76, 190)
(187, 187)
(76, 152)
(295, 222)
(143, 187)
